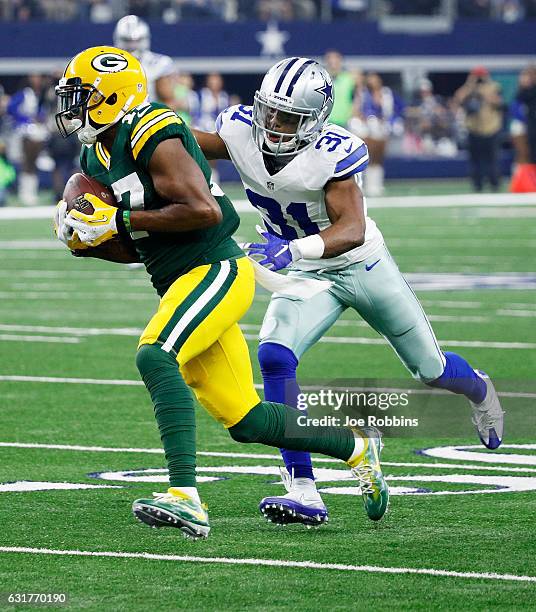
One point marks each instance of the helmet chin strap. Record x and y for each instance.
(88, 134)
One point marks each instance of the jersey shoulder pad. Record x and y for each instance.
(345, 152)
(148, 125)
(234, 120)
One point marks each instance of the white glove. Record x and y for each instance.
(63, 232)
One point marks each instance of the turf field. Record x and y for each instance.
(78, 442)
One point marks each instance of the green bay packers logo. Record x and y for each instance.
(109, 62)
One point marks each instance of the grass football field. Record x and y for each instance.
(78, 442)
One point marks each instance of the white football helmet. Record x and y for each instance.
(291, 107)
(133, 35)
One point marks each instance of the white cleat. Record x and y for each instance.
(301, 504)
(488, 417)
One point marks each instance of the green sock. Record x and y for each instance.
(277, 425)
(174, 411)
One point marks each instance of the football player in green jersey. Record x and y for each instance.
(182, 226)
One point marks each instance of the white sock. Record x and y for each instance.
(358, 448)
(304, 483)
(190, 491)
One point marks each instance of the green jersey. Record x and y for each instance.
(125, 171)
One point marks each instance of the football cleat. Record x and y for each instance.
(367, 469)
(174, 509)
(302, 504)
(488, 416)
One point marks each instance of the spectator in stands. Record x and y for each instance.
(530, 8)
(481, 100)
(527, 96)
(212, 100)
(275, 9)
(28, 114)
(353, 9)
(195, 9)
(186, 100)
(474, 9)
(510, 11)
(414, 7)
(429, 123)
(344, 86)
(27, 10)
(380, 110)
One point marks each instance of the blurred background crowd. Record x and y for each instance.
(476, 114)
(171, 11)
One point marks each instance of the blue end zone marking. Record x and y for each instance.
(351, 159)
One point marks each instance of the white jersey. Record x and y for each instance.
(156, 66)
(292, 201)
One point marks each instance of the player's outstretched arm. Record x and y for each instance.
(179, 180)
(211, 144)
(344, 205)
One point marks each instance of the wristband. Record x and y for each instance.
(122, 221)
(310, 247)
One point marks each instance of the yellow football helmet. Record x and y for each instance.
(99, 86)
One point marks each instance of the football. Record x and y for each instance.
(78, 185)
(119, 250)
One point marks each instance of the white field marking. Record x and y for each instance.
(63, 274)
(73, 295)
(52, 339)
(516, 313)
(36, 244)
(258, 456)
(75, 331)
(271, 563)
(23, 486)
(381, 341)
(425, 201)
(465, 453)
(451, 304)
(134, 383)
(74, 381)
(459, 241)
(503, 213)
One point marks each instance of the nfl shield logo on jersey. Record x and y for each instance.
(270, 185)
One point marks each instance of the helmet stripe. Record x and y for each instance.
(297, 76)
(284, 73)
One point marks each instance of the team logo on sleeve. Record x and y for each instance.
(109, 62)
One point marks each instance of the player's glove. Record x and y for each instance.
(63, 232)
(276, 251)
(99, 227)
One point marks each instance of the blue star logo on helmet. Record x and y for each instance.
(326, 90)
(109, 62)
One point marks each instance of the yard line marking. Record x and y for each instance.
(255, 456)
(127, 382)
(75, 381)
(381, 341)
(272, 563)
(53, 339)
(132, 331)
(54, 295)
(75, 331)
(35, 244)
(458, 200)
(517, 313)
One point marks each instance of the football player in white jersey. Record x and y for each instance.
(132, 34)
(303, 174)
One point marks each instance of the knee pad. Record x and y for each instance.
(151, 357)
(276, 359)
